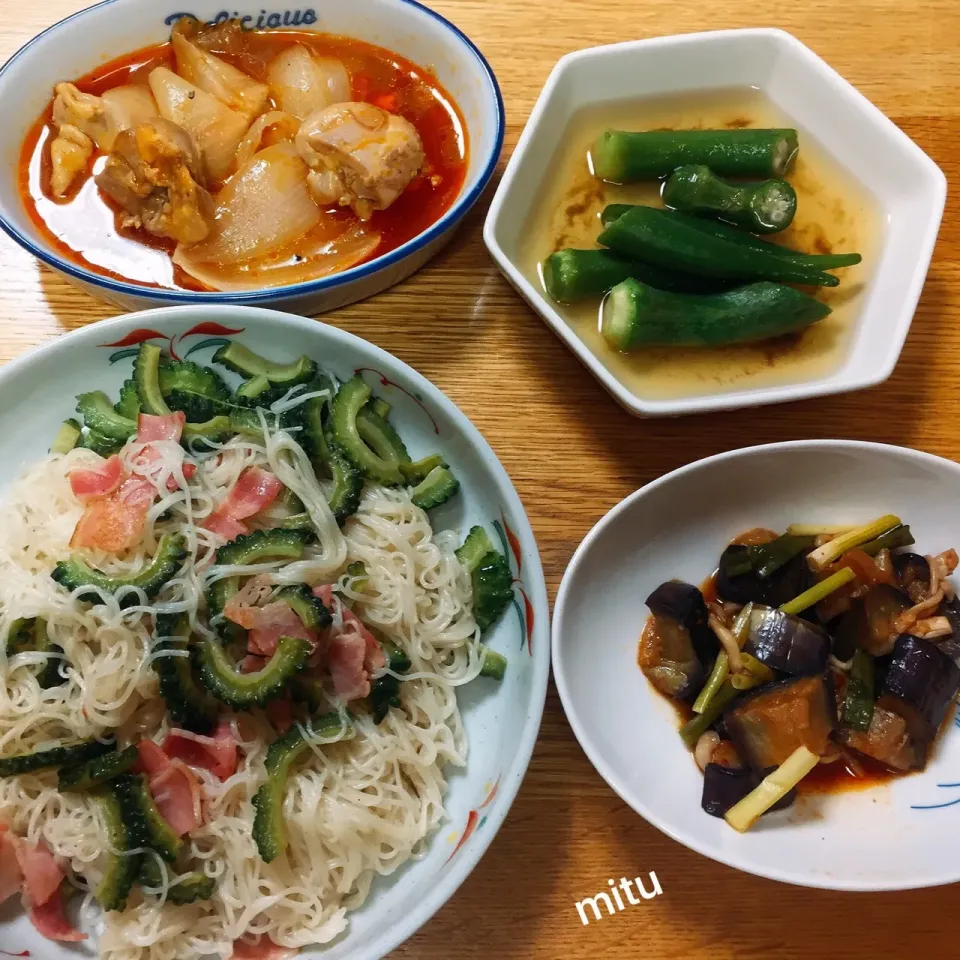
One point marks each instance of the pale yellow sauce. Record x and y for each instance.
(834, 214)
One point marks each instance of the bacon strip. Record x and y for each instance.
(253, 492)
(280, 713)
(224, 526)
(353, 653)
(99, 481)
(11, 876)
(174, 787)
(242, 607)
(41, 886)
(42, 875)
(178, 796)
(272, 622)
(252, 664)
(262, 949)
(116, 512)
(167, 427)
(51, 921)
(218, 753)
(152, 759)
(116, 522)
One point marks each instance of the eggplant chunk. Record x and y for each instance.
(723, 787)
(678, 646)
(871, 622)
(786, 643)
(951, 645)
(668, 659)
(887, 741)
(768, 725)
(920, 685)
(784, 584)
(913, 574)
(684, 604)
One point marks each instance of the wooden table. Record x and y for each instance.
(573, 454)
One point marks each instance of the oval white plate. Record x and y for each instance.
(891, 837)
(37, 392)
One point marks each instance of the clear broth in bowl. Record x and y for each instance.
(834, 214)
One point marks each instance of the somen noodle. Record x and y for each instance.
(354, 810)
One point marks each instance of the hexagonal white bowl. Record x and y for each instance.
(908, 186)
(889, 837)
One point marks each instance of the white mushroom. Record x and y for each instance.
(703, 752)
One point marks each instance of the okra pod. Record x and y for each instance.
(675, 241)
(766, 207)
(623, 157)
(715, 228)
(634, 315)
(570, 275)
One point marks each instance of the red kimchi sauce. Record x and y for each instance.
(84, 227)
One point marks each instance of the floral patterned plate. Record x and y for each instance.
(36, 394)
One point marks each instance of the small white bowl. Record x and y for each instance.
(907, 185)
(891, 837)
(77, 44)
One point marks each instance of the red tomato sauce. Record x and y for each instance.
(84, 228)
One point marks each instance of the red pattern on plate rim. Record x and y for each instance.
(474, 819)
(143, 334)
(211, 328)
(140, 335)
(386, 382)
(514, 542)
(528, 622)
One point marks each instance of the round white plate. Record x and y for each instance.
(890, 837)
(37, 392)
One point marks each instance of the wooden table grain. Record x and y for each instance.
(573, 454)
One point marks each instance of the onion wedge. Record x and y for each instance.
(263, 209)
(216, 129)
(275, 125)
(326, 257)
(302, 83)
(217, 77)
